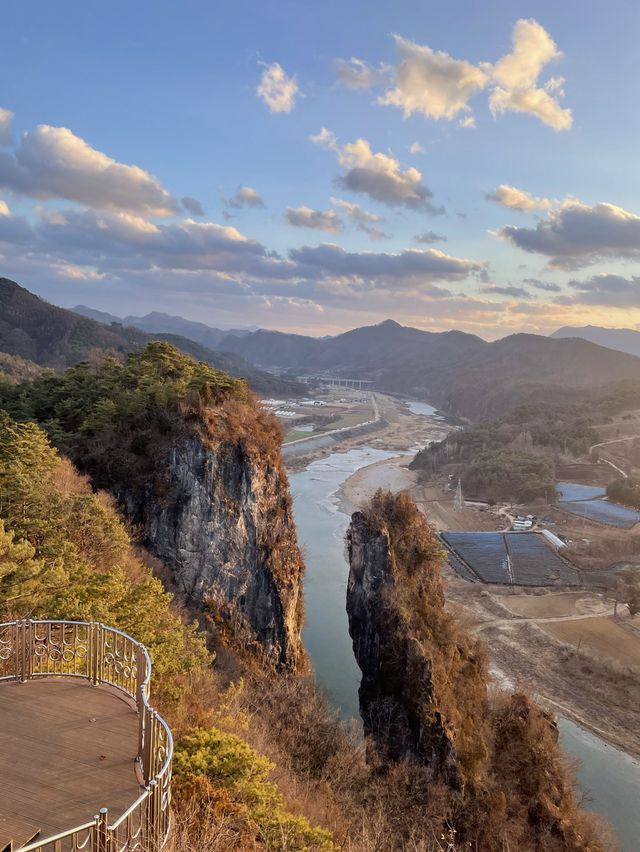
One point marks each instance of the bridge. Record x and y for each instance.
(336, 382)
(85, 761)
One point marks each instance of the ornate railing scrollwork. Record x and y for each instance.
(102, 655)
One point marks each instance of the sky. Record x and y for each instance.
(313, 167)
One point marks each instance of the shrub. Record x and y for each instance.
(228, 762)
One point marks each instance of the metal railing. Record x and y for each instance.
(101, 655)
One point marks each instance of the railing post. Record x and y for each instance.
(24, 638)
(141, 673)
(97, 671)
(17, 650)
(149, 743)
(152, 838)
(101, 832)
(90, 655)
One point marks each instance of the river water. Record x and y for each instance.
(416, 407)
(610, 778)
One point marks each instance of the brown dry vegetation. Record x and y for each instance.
(516, 790)
(320, 768)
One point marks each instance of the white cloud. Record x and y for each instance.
(52, 162)
(377, 175)
(416, 148)
(78, 273)
(532, 49)
(277, 89)
(535, 101)
(432, 82)
(361, 218)
(518, 199)
(4, 208)
(577, 235)
(357, 74)
(326, 139)
(6, 118)
(517, 73)
(319, 220)
(246, 196)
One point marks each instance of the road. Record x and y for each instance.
(527, 619)
(614, 441)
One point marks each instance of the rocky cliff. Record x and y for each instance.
(194, 461)
(221, 519)
(424, 699)
(392, 660)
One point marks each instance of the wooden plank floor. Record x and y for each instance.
(67, 749)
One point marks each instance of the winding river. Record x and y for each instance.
(610, 778)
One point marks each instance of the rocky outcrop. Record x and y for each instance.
(220, 517)
(391, 660)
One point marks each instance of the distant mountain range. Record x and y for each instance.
(48, 336)
(622, 339)
(458, 372)
(159, 323)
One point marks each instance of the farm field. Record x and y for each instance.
(554, 605)
(523, 559)
(602, 637)
(573, 491)
(604, 512)
(587, 502)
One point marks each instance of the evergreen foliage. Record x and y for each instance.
(114, 418)
(626, 491)
(513, 458)
(228, 762)
(64, 553)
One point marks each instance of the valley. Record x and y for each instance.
(560, 634)
(565, 646)
(517, 625)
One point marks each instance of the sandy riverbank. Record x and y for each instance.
(399, 431)
(392, 474)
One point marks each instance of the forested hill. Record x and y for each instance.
(49, 336)
(53, 337)
(460, 373)
(513, 457)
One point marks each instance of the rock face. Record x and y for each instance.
(221, 519)
(391, 660)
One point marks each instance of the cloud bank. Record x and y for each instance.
(576, 235)
(52, 162)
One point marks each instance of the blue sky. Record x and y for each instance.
(532, 104)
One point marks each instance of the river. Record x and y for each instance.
(610, 778)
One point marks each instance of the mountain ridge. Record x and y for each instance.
(50, 336)
(621, 339)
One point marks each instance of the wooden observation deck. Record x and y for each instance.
(85, 762)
